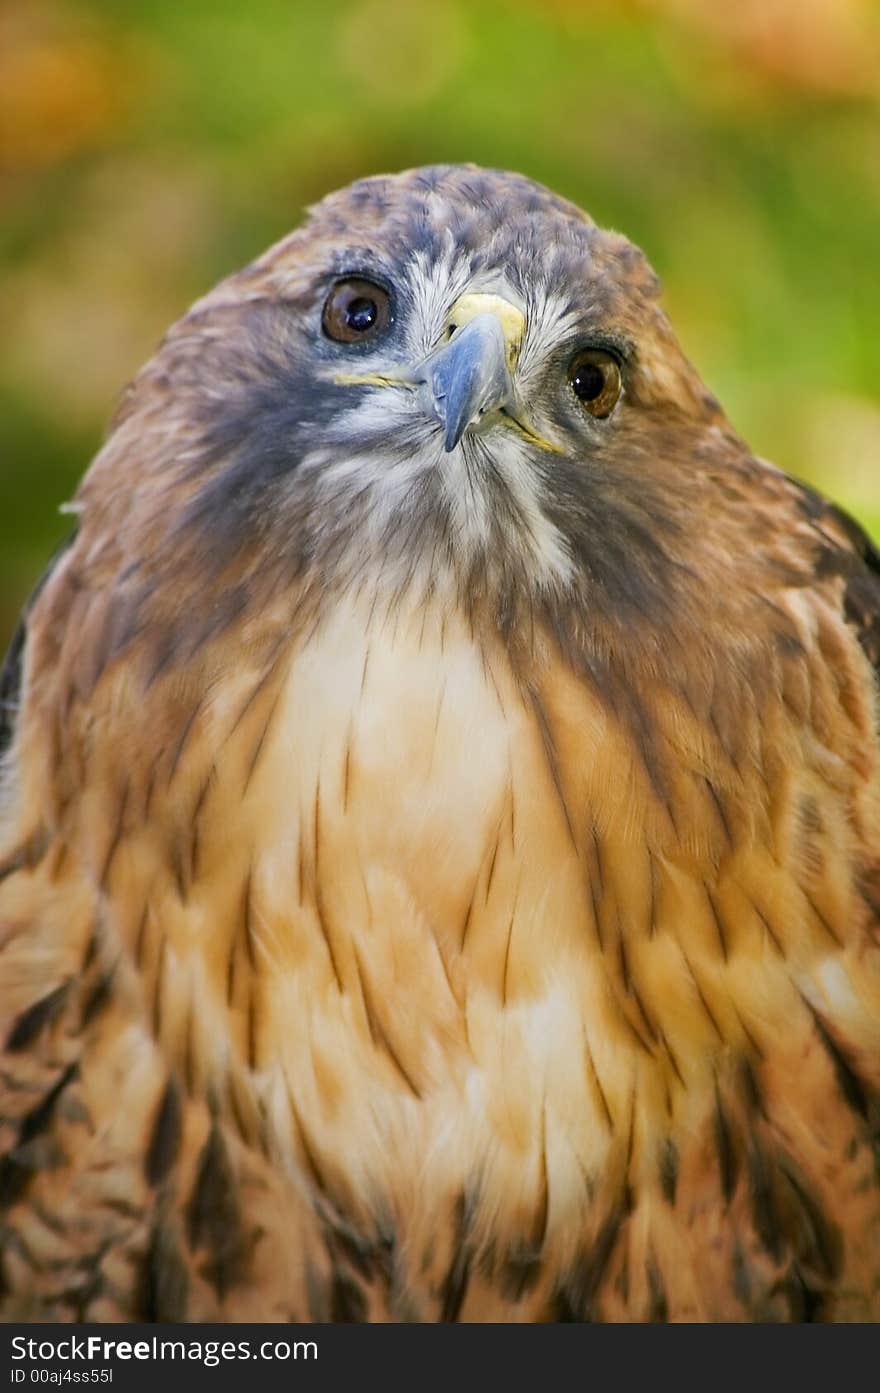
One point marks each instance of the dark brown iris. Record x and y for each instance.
(595, 380)
(356, 309)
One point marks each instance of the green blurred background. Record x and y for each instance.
(147, 147)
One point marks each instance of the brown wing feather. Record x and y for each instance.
(848, 551)
(12, 666)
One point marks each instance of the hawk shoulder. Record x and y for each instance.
(12, 667)
(845, 550)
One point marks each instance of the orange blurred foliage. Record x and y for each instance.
(821, 48)
(60, 91)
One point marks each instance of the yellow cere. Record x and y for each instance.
(511, 319)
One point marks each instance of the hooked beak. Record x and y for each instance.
(470, 377)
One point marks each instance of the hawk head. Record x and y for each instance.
(447, 377)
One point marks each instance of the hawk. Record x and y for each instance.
(440, 852)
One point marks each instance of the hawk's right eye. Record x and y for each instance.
(356, 309)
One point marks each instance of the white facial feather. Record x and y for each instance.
(405, 446)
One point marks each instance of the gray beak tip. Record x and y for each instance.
(452, 435)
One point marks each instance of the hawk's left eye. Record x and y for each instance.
(356, 309)
(595, 380)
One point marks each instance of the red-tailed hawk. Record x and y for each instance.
(440, 853)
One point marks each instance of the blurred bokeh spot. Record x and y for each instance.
(150, 147)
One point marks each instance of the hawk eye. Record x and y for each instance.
(356, 309)
(595, 380)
